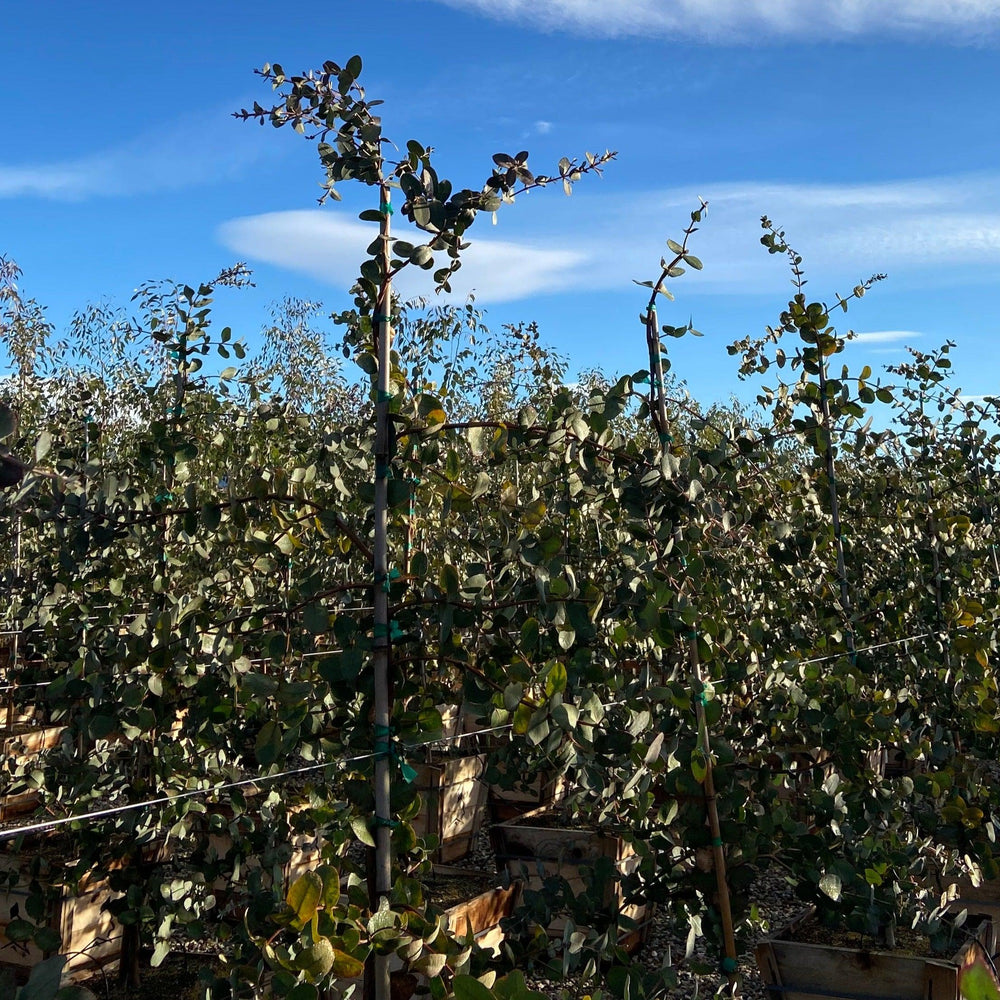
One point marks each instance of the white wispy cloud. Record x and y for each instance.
(329, 247)
(945, 230)
(885, 336)
(750, 20)
(188, 151)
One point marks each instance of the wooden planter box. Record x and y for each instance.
(24, 741)
(15, 715)
(535, 847)
(306, 855)
(90, 936)
(453, 806)
(91, 939)
(27, 740)
(456, 721)
(510, 803)
(482, 912)
(796, 970)
(983, 899)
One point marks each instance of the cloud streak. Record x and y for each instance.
(329, 247)
(741, 21)
(184, 153)
(885, 336)
(946, 231)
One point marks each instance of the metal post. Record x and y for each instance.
(383, 707)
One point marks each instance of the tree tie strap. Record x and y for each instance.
(382, 470)
(386, 579)
(163, 497)
(728, 965)
(385, 208)
(386, 748)
(392, 631)
(384, 397)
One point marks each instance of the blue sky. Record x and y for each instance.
(869, 131)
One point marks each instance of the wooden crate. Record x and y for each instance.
(26, 740)
(15, 715)
(533, 848)
(797, 970)
(543, 791)
(453, 804)
(23, 742)
(981, 899)
(91, 939)
(483, 912)
(90, 936)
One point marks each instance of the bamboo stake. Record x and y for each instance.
(379, 985)
(711, 804)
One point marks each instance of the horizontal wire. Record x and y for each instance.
(53, 824)
(868, 649)
(12, 834)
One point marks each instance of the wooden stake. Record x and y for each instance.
(711, 805)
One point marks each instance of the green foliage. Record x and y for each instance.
(194, 587)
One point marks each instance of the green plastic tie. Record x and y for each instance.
(382, 470)
(385, 208)
(383, 740)
(392, 631)
(666, 438)
(390, 823)
(88, 418)
(643, 380)
(717, 842)
(415, 481)
(384, 397)
(381, 318)
(386, 747)
(175, 355)
(163, 497)
(700, 698)
(691, 634)
(386, 579)
(729, 965)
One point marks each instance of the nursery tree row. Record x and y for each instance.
(791, 602)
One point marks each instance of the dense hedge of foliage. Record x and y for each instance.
(795, 597)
